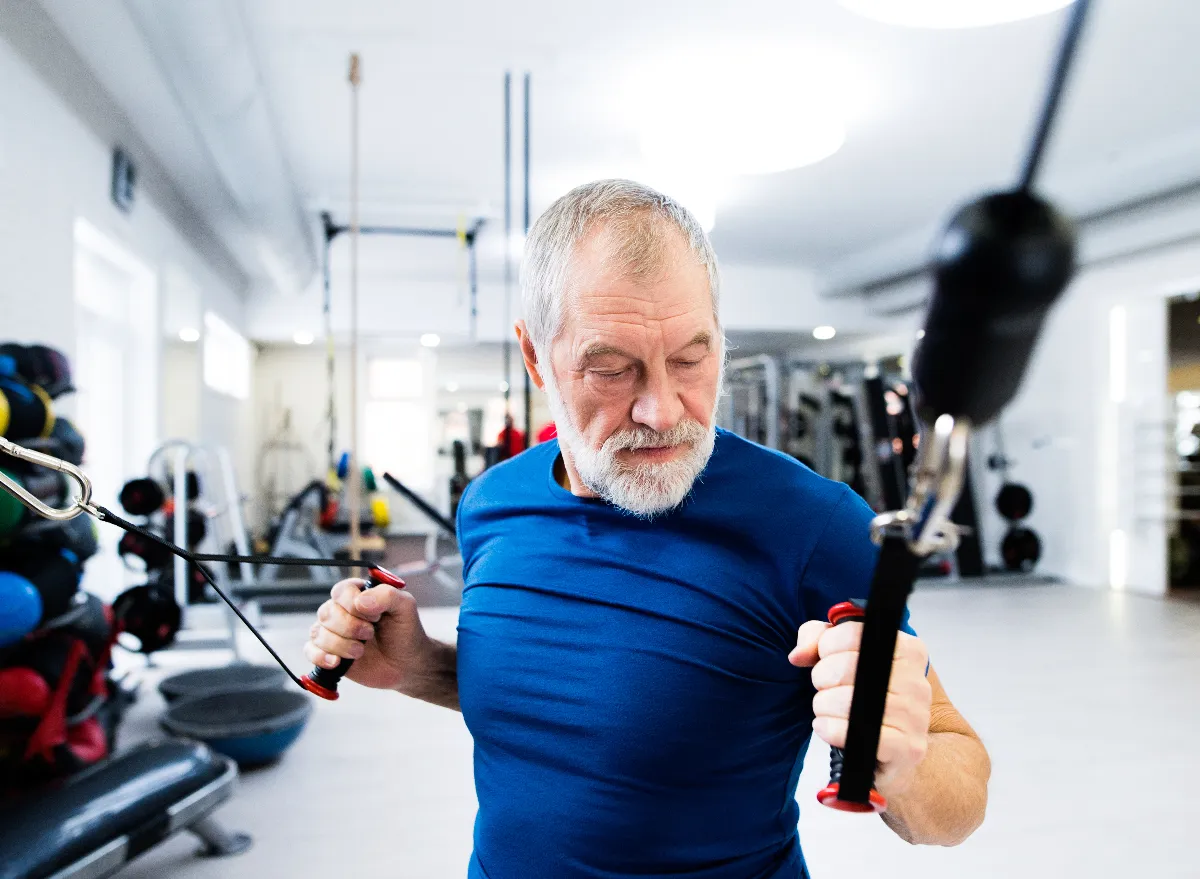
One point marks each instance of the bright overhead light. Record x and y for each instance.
(189, 334)
(737, 111)
(824, 333)
(946, 14)
(431, 340)
(302, 338)
(920, 334)
(452, 387)
(503, 387)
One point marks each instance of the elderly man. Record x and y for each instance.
(642, 654)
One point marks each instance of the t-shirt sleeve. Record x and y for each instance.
(463, 532)
(843, 562)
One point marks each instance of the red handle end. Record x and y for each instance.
(828, 796)
(845, 612)
(317, 690)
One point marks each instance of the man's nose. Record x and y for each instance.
(657, 405)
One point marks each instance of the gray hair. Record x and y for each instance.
(635, 214)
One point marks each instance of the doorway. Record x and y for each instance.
(116, 376)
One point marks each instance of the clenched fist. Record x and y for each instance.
(378, 628)
(832, 654)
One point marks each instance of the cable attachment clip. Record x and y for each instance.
(937, 480)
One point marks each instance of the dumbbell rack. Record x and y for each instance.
(208, 462)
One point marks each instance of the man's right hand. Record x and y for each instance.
(378, 628)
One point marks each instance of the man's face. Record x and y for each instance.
(636, 375)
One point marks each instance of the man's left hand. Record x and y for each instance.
(832, 653)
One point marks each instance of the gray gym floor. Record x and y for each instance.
(1089, 702)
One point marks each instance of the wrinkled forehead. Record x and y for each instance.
(644, 255)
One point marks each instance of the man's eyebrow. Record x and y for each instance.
(701, 338)
(599, 349)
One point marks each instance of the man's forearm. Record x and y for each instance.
(435, 680)
(946, 798)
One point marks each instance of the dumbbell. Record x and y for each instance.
(141, 497)
(1021, 548)
(323, 682)
(153, 554)
(1014, 501)
(150, 614)
(846, 612)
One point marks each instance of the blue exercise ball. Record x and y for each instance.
(20, 608)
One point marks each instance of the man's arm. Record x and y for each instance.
(379, 628)
(435, 679)
(943, 800)
(932, 767)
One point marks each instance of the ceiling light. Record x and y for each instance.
(302, 338)
(920, 334)
(824, 333)
(945, 14)
(452, 387)
(431, 340)
(504, 387)
(189, 334)
(739, 110)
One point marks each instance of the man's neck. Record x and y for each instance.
(568, 477)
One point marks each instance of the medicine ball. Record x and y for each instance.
(55, 575)
(25, 410)
(67, 443)
(1020, 549)
(20, 608)
(40, 365)
(1014, 502)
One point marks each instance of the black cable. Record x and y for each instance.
(107, 515)
(241, 616)
(1058, 78)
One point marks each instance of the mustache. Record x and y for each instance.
(684, 433)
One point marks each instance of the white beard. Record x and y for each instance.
(646, 490)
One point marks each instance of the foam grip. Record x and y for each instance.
(26, 411)
(20, 608)
(323, 682)
(141, 497)
(55, 575)
(844, 612)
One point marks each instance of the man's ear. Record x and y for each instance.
(529, 354)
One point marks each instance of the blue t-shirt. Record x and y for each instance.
(626, 681)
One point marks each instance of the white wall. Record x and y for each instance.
(395, 305)
(55, 169)
(1087, 430)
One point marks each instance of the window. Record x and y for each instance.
(392, 379)
(397, 422)
(227, 358)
